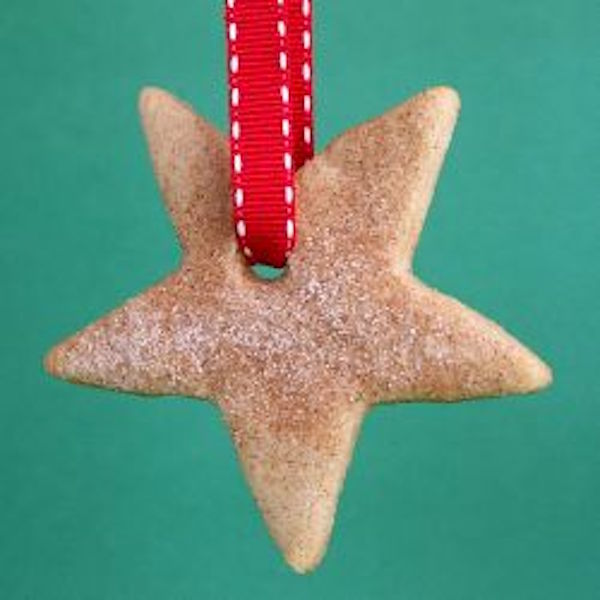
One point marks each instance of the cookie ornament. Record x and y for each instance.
(296, 363)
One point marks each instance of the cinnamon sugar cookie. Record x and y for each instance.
(295, 364)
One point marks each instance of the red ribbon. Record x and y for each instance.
(269, 48)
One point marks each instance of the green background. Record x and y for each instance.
(103, 496)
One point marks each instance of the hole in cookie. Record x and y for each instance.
(267, 273)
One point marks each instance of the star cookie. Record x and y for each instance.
(295, 364)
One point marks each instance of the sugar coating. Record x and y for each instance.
(294, 364)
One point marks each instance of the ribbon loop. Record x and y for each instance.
(269, 45)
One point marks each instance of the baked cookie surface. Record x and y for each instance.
(295, 364)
